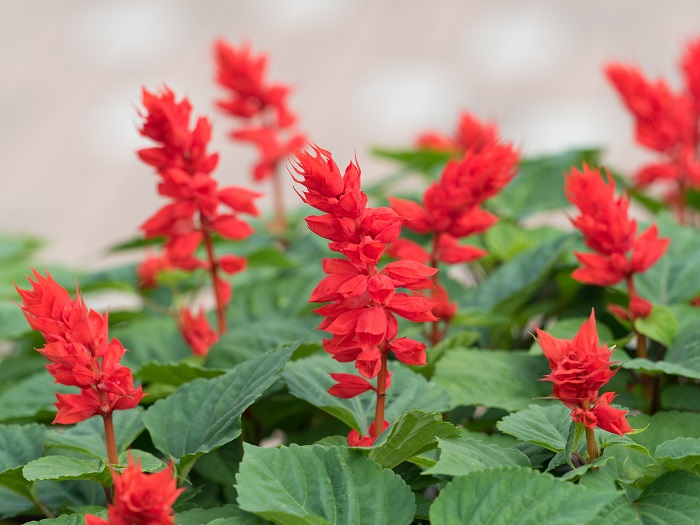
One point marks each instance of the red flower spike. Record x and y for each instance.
(580, 368)
(607, 228)
(79, 351)
(141, 498)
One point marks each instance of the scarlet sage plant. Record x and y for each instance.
(81, 355)
(470, 135)
(364, 300)
(193, 216)
(451, 208)
(580, 368)
(261, 106)
(140, 498)
(611, 233)
(665, 122)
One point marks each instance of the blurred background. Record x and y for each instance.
(365, 73)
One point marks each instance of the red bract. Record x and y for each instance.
(607, 229)
(80, 352)
(194, 212)
(364, 301)
(580, 368)
(140, 498)
(197, 331)
(665, 122)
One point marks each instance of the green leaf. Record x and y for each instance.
(660, 326)
(681, 397)
(62, 468)
(576, 432)
(505, 239)
(175, 374)
(413, 433)
(226, 515)
(677, 454)
(539, 185)
(309, 379)
(682, 357)
(460, 456)
(66, 519)
(12, 321)
(546, 426)
(319, 485)
(204, 414)
(88, 436)
(30, 397)
(673, 499)
(151, 339)
(493, 378)
(509, 287)
(19, 444)
(504, 496)
(674, 278)
(664, 426)
(423, 160)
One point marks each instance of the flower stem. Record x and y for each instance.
(111, 441)
(590, 438)
(435, 333)
(381, 395)
(213, 270)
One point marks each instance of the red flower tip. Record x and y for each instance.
(196, 331)
(356, 440)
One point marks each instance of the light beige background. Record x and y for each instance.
(366, 72)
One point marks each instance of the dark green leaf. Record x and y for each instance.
(660, 326)
(460, 456)
(226, 515)
(677, 454)
(319, 485)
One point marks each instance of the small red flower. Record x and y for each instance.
(140, 498)
(580, 368)
(357, 440)
(196, 331)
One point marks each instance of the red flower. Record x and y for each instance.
(580, 368)
(81, 355)
(608, 229)
(140, 498)
(356, 440)
(196, 331)
(471, 135)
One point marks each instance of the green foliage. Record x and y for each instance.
(321, 485)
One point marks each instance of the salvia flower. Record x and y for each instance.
(580, 368)
(666, 121)
(197, 207)
(604, 221)
(470, 135)
(363, 300)
(262, 110)
(140, 498)
(80, 352)
(452, 206)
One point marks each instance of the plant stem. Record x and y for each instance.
(213, 270)
(381, 395)
(40, 504)
(280, 222)
(590, 438)
(112, 455)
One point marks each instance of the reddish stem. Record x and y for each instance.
(214, 271)
(381, 394)
(111, 441)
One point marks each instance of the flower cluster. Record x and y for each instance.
(364, 300)
(665, 122)
(140, 498)
(451, 207)
(193, 214)
(80, 352)
(580, 368)
(470, 135)
(610, 232)
(260, 104)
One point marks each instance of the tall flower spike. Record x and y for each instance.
(363, 299)
(607, 229)
(140, 498)
(666, 122)
(81, 355)
(261, 107)
(451, 207)
(580, 368)
(193, 215)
